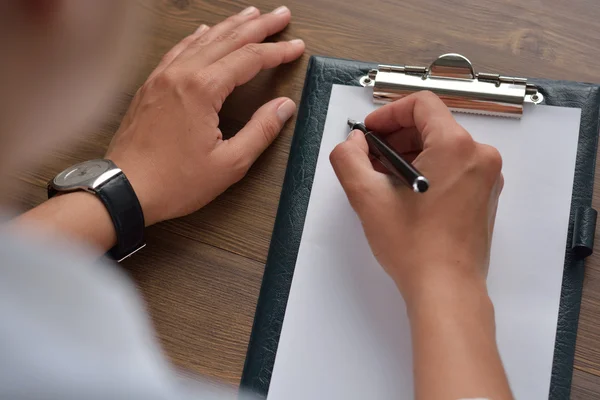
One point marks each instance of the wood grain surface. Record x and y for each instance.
(200, 275)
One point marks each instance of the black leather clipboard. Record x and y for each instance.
(322, 73)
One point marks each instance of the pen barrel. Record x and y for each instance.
(391, 160)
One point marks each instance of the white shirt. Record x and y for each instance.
(72, 329)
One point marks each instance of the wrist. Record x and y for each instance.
(78, 215)
(446, 291)
(138, 178)
(453, 333)
(103, 179)
(463, 309)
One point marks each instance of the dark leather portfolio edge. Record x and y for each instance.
(322, 73)
(587, 97)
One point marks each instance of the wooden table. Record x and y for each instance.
(200, 275)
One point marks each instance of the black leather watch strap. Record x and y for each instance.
(126, 212)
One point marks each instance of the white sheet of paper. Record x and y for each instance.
(345, 334)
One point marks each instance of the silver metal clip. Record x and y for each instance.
(454, 80)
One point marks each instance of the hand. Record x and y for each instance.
(169, 144)
(444, 235)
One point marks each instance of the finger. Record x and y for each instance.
(264, 126)
(251, 31)
(219, 33)
(500, 185)
(352, 166)
(239, 67)
(379, 167)
(169, 56)
(495, 199)
(423, 110)
(405, 140)
(408, 157)
(411, 157)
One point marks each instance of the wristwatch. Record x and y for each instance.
(105, 180)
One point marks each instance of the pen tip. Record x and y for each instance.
(351, 122)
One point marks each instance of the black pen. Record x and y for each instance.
(382, 151)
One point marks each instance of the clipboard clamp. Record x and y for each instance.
(453, 78)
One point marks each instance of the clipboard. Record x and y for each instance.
(453, 78)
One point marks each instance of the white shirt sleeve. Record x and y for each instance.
(71, 329)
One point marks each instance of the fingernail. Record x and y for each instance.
(201, 28)
(297, 41)
(281, 10)
(285, 110)
(248, 11)
(350, 135)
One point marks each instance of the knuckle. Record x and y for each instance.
(253, 49)
(165, 79)
(268, 127)
(200, 41)
(233, 20)
(231, 35)
(491, 158)
(462, 141)
(202, 81)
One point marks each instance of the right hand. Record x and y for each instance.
(438, 240)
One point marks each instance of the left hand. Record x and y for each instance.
(169, 144)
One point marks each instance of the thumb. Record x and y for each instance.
(351, 163)
(262, 129)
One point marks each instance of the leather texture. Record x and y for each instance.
(584, 229)
(322, 73)
(126, 212)
(586, 97)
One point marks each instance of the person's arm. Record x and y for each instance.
(434, 245)
(454, 343)
(169, 144)
(79, 215)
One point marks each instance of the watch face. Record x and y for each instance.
(82, 173)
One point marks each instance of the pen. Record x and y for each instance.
(382, 151)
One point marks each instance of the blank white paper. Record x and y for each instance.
(345, 334)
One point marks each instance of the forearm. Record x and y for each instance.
(80, 216)
(454, 342)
